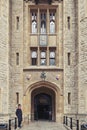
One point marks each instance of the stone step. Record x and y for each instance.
(41, 125)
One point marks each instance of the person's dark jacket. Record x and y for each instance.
(19, 114)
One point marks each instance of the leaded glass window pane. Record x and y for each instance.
(43, 54)
(52, 27)
(52, 22)
(43, 57)
(34, 54)
(52, 61)
(34, 27)
(43, 27)
(43, 22)
(52, 54)
(34, 22)
(52, 57)
(43, 61)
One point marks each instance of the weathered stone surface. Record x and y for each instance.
(23, 77)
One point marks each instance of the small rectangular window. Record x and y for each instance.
(69, 98)
(68, 55)
(68, 22)
(17, 58)
(17, 98)
(17, 22)
(33, 57)
(43, 57)
(52, 57)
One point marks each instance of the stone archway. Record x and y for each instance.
(43, 104)
(44, 87)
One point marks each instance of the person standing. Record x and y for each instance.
(19, 115)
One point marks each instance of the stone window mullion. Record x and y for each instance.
(57, 32)
(38, 31)
(48, 21)
(38, 56)
(47, 36)
(48, 56)
(38, 21)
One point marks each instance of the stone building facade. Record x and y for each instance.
(43, 58)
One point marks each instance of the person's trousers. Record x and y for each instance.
(19, 123)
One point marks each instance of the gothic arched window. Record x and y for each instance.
(52, 22)
(34, 22)
(52, 27)
(43, 27)
(43, 22)
(34, 26)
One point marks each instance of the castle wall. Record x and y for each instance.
(16, 47)
(69, 37)
(31, 73)
(82, 107)
(70, 42)
(4, 58)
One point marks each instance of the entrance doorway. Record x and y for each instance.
(43, 104)
(42, 107)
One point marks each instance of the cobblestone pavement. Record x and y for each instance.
(40, 125)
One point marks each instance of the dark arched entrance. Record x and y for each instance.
(42, 107)
(43, 104)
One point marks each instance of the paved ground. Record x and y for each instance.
(40, 125)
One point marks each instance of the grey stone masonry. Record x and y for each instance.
(82, 92)
(70, 47)
(16, 71)
(4, 57)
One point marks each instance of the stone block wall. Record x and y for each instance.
(82, 92)
(32, 76)
(4, 58)
(69, 41)
(16, 47)
(14, 39)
